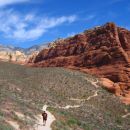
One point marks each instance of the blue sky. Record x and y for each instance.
(25, 23)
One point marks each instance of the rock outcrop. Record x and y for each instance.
(103, 51)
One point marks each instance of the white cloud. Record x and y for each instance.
(30, 26)
(9, 2)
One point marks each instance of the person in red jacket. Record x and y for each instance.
(44, 115)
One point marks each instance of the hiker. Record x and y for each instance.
(44, 115)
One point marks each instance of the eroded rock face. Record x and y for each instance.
(104, 51)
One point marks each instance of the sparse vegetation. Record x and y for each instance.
(26, 90)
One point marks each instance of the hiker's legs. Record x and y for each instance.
(44, 122)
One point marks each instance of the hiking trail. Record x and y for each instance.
(50, 119)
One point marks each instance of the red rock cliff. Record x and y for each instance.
(104, 51)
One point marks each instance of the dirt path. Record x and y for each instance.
(69, 106)
(94, 83)
(51, 118)
(125, 116)
(76, 99)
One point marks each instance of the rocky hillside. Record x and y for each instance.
(24, 91)
(103, 51)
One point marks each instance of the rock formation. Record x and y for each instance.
(15, 56)
(103, 51)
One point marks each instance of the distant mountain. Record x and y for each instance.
(10, 48)
(17, 54)
(35, 48)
